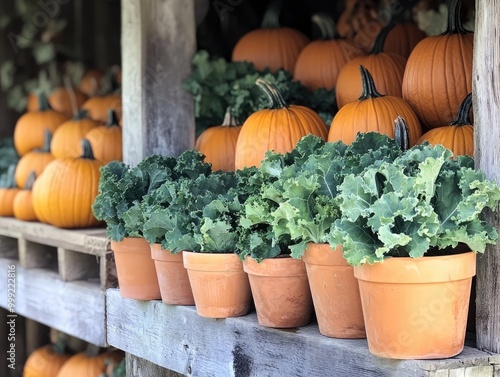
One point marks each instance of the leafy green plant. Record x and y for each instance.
(8, 158)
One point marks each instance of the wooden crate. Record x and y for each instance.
(81, 254)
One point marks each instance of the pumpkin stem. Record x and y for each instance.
(229, 119)
(369, 89)
(43, 102)
(92, 350)
(326, 25)
(276, 100)
(47, 139)
(82, 114)
(59, 346)
(378, 46)
(30, 180)
(87, 150)
(401, 133)
(10, 181)
(463, 117)
(112, 119)
(455, 25)
(271, 18)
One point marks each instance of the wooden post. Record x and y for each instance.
(137, 367)
(486, 89)
(158, 43)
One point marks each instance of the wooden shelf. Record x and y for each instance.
(176, 338)
(76, 308)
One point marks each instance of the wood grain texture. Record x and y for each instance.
(77, 266)
(158, 43)
(137, 367)
(76, 308)
(486, 89)
(175, 337)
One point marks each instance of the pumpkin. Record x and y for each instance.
(106, 141)
(272, 46)
(67, 137)
(372, 112)
(63, 100)
(403, 38)
(319, 63)
(64, 193)
(98, 107)
(8, 194)
(387, 70)
(23, 202)
(35, 161)
(278, 128)
(90, 84)
(30, 128)
(45, 361)
(458, 136)
(438, 75)
(90, 363)
(218, 143)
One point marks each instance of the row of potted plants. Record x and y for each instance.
(355, 225)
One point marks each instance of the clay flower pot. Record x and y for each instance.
(172, 277)
(280, 291)
(335, 292)
(220, 286)
(135, 269)
(417, 308)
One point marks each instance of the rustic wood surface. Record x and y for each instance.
(486, 89)
(137, 367)
(175, 337)
(76, 308)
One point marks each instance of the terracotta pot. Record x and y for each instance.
(220, 286)
(135, 269)
(172, 277)
(280, 291)
(335, 292)
(417, 308)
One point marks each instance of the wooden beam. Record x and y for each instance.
(486, 89)
(137, 367)
(158, 43)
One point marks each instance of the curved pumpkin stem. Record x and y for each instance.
(401, 133)
(276, 100)
(369, 89)
(82, 114)
(326, 25)
(47, 139)
(87, 153)
(10, 181)
(455, 25)
(463, 118)
(271, 18)
(43, 102)
(59, 347)
(30, 180)
(112, 119)
(229, 119)
(378, 46)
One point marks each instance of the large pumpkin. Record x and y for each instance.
(106, 141)
(372, 112)
(63, 100)
(30, 128)
(35, 161)
(98, 107)
(45, 361)
(278, 128)
(439, 72)
(64, 193)
(85, 364)
(320, 62)
(386, 68)
(66, 139)
(403, 38)
(8, 194)
(271, 46)
(218, 143)
(458, 136)
(23, 202)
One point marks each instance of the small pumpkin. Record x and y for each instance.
(98, 107)
(386, 68)
(8, 193)
(403, 38)
(372, 112)
(64, 193)
(319, 63)
(45, 361)
(106, 141)
(67, 137)
(458, 136)
(23, 202)
(90, 363)
(90, 84)
(438, 75)
(278, 128)
(272, 46)
(218, 143)
(35, 161)
(30, 128)
(62, 99)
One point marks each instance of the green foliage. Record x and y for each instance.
(8, 159)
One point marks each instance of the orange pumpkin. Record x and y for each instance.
(98, 107)
(90, 84)
(45, 361)
(66, 139)
(64, 193)
(23, 202)
(403, 38)
(62, 100)
(30, 128)
(106, 141)
(320, 62)
(372, 112)
(271, 46)
(8, 194)
(218, 143)
(387, 70)
(85, 364)
(35, 161)
(278, 128)
(439, 72)
(458, 136)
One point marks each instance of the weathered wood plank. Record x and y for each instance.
(137, 367)
(8, 247)
(35, 255)
(186, 343)
(77, 266)
(158, 43)
(76, 308)
(486, 89)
